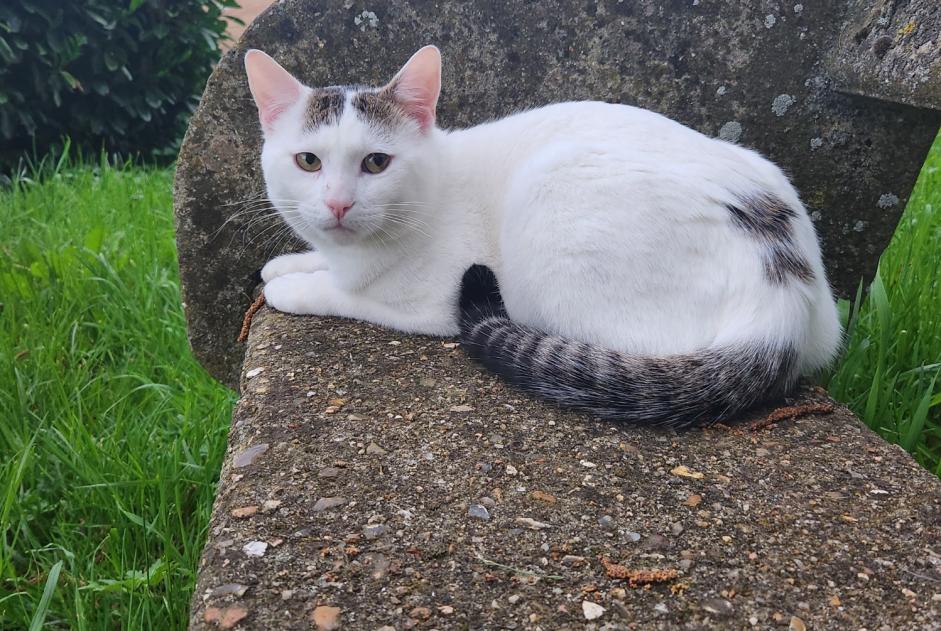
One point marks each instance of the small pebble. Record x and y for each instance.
(375, 531)
(326, 503)
(542, 496)
(375, 450)
(462, 408)
(532, 523)
(717, 606)
(225, 618)
(661, 608)
(488, 502)
(573, 560)
(797, 624)
(254, 372)
(511, 470)
(606, 521)
(270, 505)
(633, 537)
(515, 598)
(244, 511)
(248, 456)
(479, 511)
(656, 542)
(326, 618)
(328, 472)
(227, 589)
(420, 613)
(255, 548)
(592, 611)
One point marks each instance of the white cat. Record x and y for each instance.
(649, 273)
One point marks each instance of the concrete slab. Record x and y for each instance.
(382, 481)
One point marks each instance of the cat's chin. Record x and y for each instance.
(341, 235)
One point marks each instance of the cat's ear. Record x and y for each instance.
(417, 85)
(273, 87)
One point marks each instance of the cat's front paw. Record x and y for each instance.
(298, 292)
(293, 263)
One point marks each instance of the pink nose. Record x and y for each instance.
(339, 208)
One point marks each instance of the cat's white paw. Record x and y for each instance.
(299, 292)
(293, 263)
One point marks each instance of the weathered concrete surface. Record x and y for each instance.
(892, 50)
(816, 518)
(755, 73)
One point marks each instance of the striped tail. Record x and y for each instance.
(677, 391)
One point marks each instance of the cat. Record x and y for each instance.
(600, 256)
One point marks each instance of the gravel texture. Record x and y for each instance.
(757, 73)
(813, 522)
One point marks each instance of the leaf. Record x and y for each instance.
(39, 616)
(39, 269)
(112, 60)
(106, 24)
(74, 83)
(133, 579)
(684, 472)
(6, 53)
(95, 238)
(917, 423)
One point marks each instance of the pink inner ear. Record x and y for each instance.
(416, 104)
(417, 85)
(273, 87)
(270, 113)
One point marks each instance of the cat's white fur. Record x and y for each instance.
(604, 223)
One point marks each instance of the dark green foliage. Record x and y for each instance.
(122, 75)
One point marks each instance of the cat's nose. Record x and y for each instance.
(339, 207)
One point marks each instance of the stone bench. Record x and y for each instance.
(387, 477)
(381, 481)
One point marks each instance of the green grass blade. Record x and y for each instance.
(40, 616)
(917, 424)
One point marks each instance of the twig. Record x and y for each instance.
(916, 574)
(517, 570)
(791, 412)
(247, 320)
(637, 578)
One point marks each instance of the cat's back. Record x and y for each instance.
(594, 121)
(632, 136)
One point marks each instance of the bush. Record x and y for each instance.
(118, 75)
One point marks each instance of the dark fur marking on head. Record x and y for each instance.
(380, 108)
(768, 219)
(324, 107)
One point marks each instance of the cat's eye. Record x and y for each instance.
(376, 162)
(307, 161)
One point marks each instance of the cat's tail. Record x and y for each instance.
(677, 391)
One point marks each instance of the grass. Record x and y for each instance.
(890, 374)
(111, 436)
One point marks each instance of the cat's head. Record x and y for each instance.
(347, 164)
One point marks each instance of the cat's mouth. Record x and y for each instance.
(338, 227)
